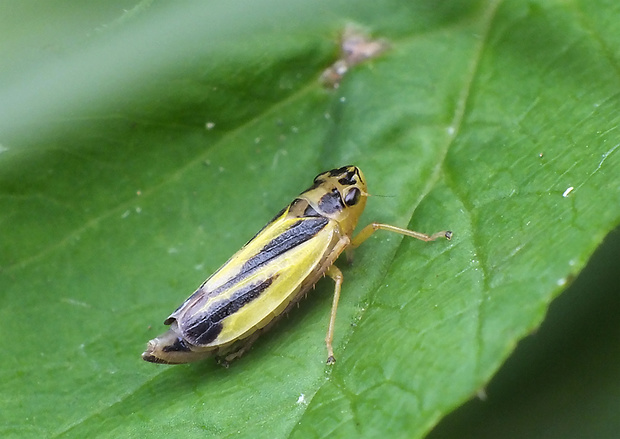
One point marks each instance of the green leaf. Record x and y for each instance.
(562, 382)
(142, 143)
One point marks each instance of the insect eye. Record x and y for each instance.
(352, 197)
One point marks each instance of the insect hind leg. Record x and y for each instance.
(237, 350)
(335, 273)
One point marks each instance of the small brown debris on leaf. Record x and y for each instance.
(355, 47)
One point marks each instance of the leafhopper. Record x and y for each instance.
(272, 272)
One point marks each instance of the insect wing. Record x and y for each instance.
(258, 282)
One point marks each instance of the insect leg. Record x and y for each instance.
(335, 273)
(239, 350)
(367, 231)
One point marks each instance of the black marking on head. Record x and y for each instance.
(338, 171)
(347, 177)
(331, 202)
(321, 177)
(204, 330)
(352, 197)
(318, 181)
(350, 178)
(347, 180)
(179, 345)
(298, 233)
